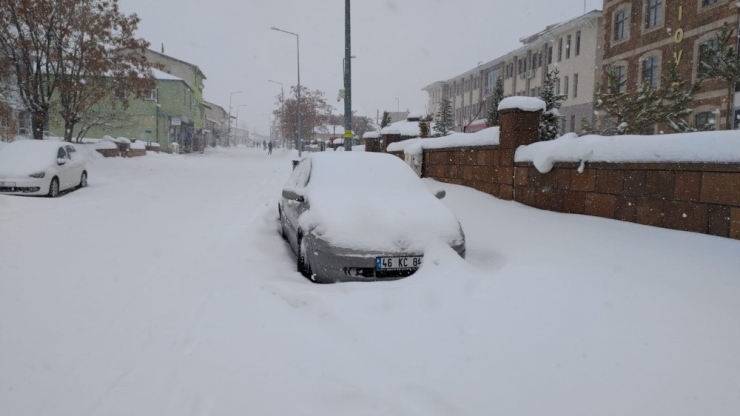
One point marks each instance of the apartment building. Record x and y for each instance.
(642, 36)
(572, 47)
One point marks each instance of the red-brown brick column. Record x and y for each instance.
(518, 128)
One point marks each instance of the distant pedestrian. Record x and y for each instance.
(264, 144)
(269, 145)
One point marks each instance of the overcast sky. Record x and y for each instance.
(401, 45)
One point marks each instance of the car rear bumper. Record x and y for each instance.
(30, 186)
(331, 264)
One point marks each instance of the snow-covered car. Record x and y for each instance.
(359, 216)
(41, 167)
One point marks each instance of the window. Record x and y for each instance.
(575, 85)
(532, 93)
(562, 125)
(150, 95)
(704, 120)
(654, 15)
(557, 87)
(578, 43)
(650, 71)
(560, 49)
(549, 55)
(704, 50)
(61, 153)
(565, 87)
(621, 30)
(572, 123)
(621, 72)
(567, 48)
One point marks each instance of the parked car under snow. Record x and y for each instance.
(361, 217)
(41, 167)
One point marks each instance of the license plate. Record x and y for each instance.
(397, 263)
(7, 184)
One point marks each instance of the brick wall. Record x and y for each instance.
(697, 197)
(702, 198)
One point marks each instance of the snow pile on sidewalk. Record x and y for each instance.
(487, 137)
(3, 144)
(102, 145)
(701, 147)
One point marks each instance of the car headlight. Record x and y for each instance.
(38, 175)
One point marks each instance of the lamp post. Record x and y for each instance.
(282, 101)
(269, 123)
(298, 95)
(398, 106)
(347, 77)
(347, 99)
(237, 121)
(231, 95)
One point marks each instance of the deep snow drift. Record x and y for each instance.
(165, 289)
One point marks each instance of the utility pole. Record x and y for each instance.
(347, 78)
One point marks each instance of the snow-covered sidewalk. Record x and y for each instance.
(165, 289)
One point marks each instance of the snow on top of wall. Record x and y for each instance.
(522, 103)
(371, 135)
(405, 128)
(103, 145)
(415, 114)
(487, 137)
(390, 130)
(701, 147)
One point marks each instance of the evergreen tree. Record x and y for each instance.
(386, 121)
(445, 121)
(723, 61)
(492, 118)
(550, 122)
(677, 99)
(638, 112)
(424, 126)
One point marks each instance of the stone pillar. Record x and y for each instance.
(518, 128)
(388, 139)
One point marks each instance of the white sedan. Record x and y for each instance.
(41, 167)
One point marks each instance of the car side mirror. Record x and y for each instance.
(440, 193)
(292, 195)
(61, 161)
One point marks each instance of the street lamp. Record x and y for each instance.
(237, 119)
(282, 101)
(231, 95)
(298, 95)
(398, 106)
(347, 69)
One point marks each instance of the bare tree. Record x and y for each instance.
(315, 111)
(76, 49)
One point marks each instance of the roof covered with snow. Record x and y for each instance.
(700, 147)
(163, 76)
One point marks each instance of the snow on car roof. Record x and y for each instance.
(374, 201)
(23, 157)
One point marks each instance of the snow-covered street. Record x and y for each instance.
(164, 288)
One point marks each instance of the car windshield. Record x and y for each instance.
(370, 207)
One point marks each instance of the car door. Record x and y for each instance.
(76, 165)
(294, 209)
(63, 170)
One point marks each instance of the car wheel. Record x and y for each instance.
(282, 227)
(54, 188)
(83, 180)
(304, 266)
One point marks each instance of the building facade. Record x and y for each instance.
(641, 37)
(572, 47)
(217, 123)
(190, 74)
